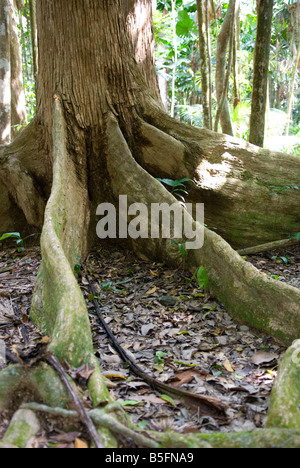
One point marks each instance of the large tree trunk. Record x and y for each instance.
(97, 123)
(140, 30)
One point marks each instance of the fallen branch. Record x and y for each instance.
(269, 246)
(53, 362)
(84, 417)
(205, 405)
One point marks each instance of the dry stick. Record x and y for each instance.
(269, 246)
(84, 417)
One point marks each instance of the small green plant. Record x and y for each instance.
(78, 266)
(17, 237)
(279, 259)
(280, 190)
(178, 187)
(181, 248)
(110, 285)
(159, 359)
(202, 278)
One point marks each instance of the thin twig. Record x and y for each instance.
(209, 406)
(84, 417)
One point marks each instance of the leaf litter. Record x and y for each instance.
(176, 332)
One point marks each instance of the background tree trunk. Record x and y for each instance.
(261, 70)
(173, 100)
(32, 10)
(18, 104)
(5, 73)
(292, 81)
(208, 41)
(203, 65)
(222, 45)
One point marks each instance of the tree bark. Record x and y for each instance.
(32, 10)
(5, 73)
(140, 30)
(18, 104)
(173, 100)
(241, 185)
(261, 70)
(291, 90)
(203, 65)
(208, 41)
(222, 45)
(97, 123)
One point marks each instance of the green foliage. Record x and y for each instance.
(188, 106)
(279, 259)
(17, 237)
(280, 190)
(160, 356)
(186, 26)
(77, 268)
(178, 187)
(181, 248)
(202, 278)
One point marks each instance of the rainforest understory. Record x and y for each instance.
(101, 132)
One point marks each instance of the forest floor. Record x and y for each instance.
(177, 333)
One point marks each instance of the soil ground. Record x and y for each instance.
(176, 332)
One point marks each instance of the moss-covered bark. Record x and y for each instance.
(285, 399)
(104, 126)
(270, 438)
(248, 295)
(22, 429)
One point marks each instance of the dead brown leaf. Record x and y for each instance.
(80, 444)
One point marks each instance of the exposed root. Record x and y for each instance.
(248, 295)
(58, 305)
(22, 429)
(285, 400)
(22, 170)
(60, 309)
(265, 438)
(268, 438)
(240, 184)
